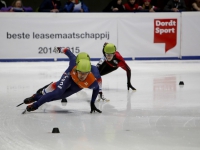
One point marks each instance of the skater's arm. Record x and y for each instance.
(124, 66)
(72, 57)
(95, 92)
(128, 74)
(97, 75)
(67, 51)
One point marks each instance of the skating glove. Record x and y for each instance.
(58, 49)
(130, 86)
(61, 49)
(93, 108)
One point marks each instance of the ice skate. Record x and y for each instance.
(30, 99)
(101, 97)
(30, 108)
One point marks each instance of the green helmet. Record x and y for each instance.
(83, 65)
(82, 55)
(109, 48)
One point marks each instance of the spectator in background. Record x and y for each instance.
(17, 6)
(196, 5)
(147, 7)
(2, 4)
(75, 6)
(50, 6)
(115, 6)
(131, 6)
(175, 6)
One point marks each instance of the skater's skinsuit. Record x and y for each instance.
(106, 67)
(66, 86)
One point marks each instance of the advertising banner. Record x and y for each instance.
(190, 42)
(136, 35)
(33, 35)
(145, 35)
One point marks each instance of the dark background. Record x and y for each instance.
(94, 5)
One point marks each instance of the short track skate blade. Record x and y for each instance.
(104, 100)
(20, 104)
(24, 111)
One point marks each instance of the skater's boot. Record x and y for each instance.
(31, 108)
(64, 100)
(101, 97)
(30, 99)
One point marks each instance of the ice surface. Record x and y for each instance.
(160, 115)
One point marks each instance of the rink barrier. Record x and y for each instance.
(97, 59)
(51, 59)
(157, 58)
(190, 57)
(169, 58)
(26, 60)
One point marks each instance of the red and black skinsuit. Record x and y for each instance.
(106, 66)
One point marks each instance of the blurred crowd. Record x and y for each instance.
(112, 6)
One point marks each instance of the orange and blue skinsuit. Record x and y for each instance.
(68, 84)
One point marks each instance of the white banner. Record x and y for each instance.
(33, 35)
(150, 35)
(136, 35)
(190, 44)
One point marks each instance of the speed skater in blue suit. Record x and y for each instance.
(76, 77)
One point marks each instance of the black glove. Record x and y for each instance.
(58, 49)
(93, 108)
(30, 108)
(130, 86)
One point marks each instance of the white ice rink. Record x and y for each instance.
(160, 115)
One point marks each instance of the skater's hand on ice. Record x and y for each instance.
(130, 86)
(93, 108)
